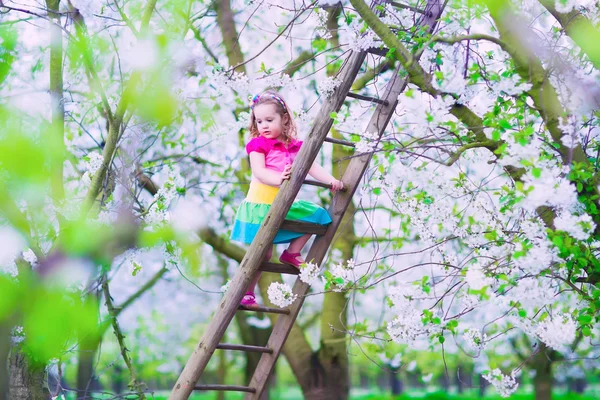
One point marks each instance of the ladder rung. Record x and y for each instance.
(304, 227)
(279, 269)
(340, 141)
(378, 51)
(244, 347)
(266, 309)
(321, 184)
(367, 98)
(231, 388)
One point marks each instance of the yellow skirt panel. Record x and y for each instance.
(261, 194)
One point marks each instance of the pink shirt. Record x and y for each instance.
(276, 154)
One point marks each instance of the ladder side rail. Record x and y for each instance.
(340, 203)
(354, 173)
(258, 249)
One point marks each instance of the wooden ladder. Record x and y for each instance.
(252, 262)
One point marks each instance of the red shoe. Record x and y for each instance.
(249, 300)
(291, 259)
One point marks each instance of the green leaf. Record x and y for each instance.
(319, 44)
(586, 331)
(505, 124)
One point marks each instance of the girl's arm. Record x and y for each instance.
(266, 176)
(321, 174)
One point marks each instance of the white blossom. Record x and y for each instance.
(159, 209)
(364, 146)
(511, 86)
(476, 278)
(309, 273)
(225, 287)
(407, 326)
(17, 335)
(281, 294)
(504, 384)
(187, 215)
(578, 226)
(93, 161)
(30, 257)
(557, 332)
(327, 86)
(358, 39)
(343, 272)
(322, 16)
(12, 243)
(143, 55)
(565, 6)
(475, 339)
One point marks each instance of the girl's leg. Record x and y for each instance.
(297, 245)
(252, 285)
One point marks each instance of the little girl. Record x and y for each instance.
(272, 150)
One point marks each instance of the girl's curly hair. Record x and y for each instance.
(290, 132)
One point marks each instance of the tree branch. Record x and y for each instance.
(134, 384)
(473, 36)
(580, 29)
(143, 289)
(126, 19)
(488, 144)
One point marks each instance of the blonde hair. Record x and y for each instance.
(290, 132)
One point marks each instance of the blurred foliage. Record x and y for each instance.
(52, 317)
(8, 43)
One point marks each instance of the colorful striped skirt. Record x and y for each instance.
(255, 207)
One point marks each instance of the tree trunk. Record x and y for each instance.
(226, 24)
(89, 343)
(542, 364)
(577, 385)
(482, 386)
(330, 372)
(57, 100)
(396, 382)
(26, 381)
(4, 351)
(86, 380)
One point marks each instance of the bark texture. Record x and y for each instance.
(26, 381)
(542, 364)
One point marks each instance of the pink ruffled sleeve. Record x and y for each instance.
(258, 145)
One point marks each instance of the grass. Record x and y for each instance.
(295, 394)
(446, 396)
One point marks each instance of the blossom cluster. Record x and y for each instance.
(309, 273)
(343, 273)
(408, 325)
(327, 86)
(92, 163)
(506, 385)
(475, 339)
(281, 294)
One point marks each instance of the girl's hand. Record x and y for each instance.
(285, 174)
(336, 185)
